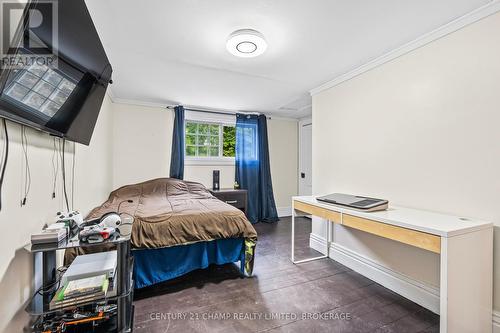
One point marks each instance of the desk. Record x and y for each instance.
(465, 247)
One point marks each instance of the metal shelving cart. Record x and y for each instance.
(44, 256)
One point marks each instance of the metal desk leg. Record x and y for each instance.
(293, 241)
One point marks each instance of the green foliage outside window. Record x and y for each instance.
(203, 140)
(229, 141)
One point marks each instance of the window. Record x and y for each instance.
(40, 88)
(207, 140)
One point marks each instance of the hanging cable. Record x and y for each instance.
(73, 177)
(64, 174)
(5, 155)
(55, 167)
(2, 138)
(27, 171)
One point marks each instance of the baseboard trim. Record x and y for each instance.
(317, 243)
(284, 211)
(496, 321)
(423, 294)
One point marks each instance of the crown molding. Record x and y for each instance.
(125, 101)
(139, 103)
(457, 24)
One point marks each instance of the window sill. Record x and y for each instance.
(209, 161)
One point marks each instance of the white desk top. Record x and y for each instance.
(421, 220)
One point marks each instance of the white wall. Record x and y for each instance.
(422, 131)
(142, 138)
(203, 174)
(142, 142)
(283, 157)
(92, 186)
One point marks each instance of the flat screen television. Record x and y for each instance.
(54, 71)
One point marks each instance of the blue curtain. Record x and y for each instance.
(177, 158)
(253, 172)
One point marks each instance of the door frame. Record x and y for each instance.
(302, 122)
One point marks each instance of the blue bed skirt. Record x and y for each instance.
(157, 265)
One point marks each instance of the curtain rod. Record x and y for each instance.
(216, 112)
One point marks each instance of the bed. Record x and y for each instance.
(179, 226)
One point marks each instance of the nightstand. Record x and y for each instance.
(234, 197)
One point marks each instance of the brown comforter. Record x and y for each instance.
(171, 212)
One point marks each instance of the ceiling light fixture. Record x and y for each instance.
(246, 43)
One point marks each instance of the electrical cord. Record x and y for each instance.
(48, 288)
(64, 174)
(27, 173)
(59, 152)
(55, 167)
(5, 159)
(73, 177)
(126, 223)
(2, 135)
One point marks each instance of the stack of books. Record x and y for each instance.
(82, 290)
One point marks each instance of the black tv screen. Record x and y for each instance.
(54, 71)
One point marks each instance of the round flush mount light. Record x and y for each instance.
(246, 43)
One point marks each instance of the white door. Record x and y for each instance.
(305, 157)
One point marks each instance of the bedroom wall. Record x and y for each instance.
(142, 137)
(422, 131)
(283, 157)
(92, 186)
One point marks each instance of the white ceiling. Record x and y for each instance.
(172, 52)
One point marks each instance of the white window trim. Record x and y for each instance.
(213, 118)
(207, 161)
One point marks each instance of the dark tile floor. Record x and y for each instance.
(318, 296)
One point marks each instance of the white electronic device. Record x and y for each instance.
(73, 217)
(91, 265)
(111, 220)
(53, 233)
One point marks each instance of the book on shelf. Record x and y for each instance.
(80, 291)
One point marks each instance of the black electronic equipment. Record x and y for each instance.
(216, 180)
(53, 74)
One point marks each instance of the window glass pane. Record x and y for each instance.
(249, 149)
(228, 141)
(28, 80)
(190, 151)
(50, 108)
(203, 140)
(203, 128)
(190, 139)
(214, 141)
(17, 91)
(52, 77)
(214, 151)
(67, 86)
(34, 100)
(38, 70)
(59, 96)
(44, 88)
(214, 129)
(202, 151)
(191, 128)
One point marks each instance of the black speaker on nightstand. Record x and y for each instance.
(216, 180)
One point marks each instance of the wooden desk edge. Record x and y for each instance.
(404, 235)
